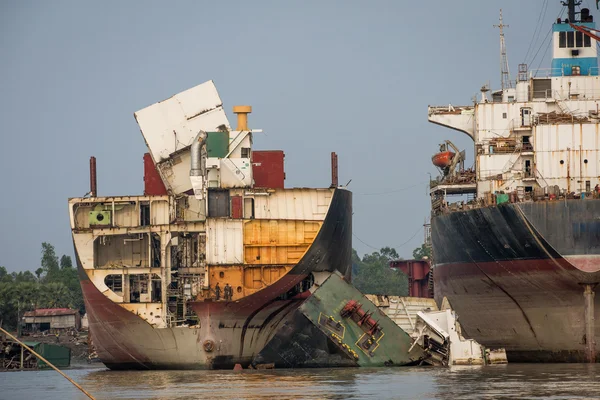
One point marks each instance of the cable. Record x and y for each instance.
(366, 244)
(411, 238)
(390, 191)
(400, 246)
(544, 56)
(538, 30)
(547, 36)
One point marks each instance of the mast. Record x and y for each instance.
(571, 8)
(504, 71)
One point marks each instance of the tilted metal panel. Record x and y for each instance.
(224, 241)
(302, 204)
(170, 126)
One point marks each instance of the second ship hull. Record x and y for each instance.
(228, 332)
(516, 274)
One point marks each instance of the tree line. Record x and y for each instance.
(54, 285)
(372, 274)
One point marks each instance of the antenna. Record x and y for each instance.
(504, 71)
(571, 8)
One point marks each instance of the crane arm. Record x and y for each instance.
(586, 31)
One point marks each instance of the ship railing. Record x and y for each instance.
(545, 72)
(566, 96)
(449, 109)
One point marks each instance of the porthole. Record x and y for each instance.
(221, 274)
(562, 162)
(585, 161)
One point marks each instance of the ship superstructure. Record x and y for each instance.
(523, 239)
(201, 270)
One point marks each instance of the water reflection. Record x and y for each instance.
(529, 381)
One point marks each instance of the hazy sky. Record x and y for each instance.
(353, 77)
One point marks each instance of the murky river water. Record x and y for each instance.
(525, 381)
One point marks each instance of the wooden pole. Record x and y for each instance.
(47, 362)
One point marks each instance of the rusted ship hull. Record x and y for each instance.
(228, 332)
(517, 275)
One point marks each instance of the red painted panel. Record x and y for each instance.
(153, 184)
(268, 169)
(236, 207)
(418, 276)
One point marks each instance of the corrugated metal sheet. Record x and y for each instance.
(403, 310)
(126, 214)
(218, 203)
(42, 312)
(278, 241)
(224, 241)
(161, 212)
(268, 169)
(236, 207)
(153, 184)
(301, 204)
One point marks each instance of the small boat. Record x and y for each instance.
(442, 159)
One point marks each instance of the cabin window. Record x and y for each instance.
(570, 39)
(156, 295)
(248, 208)
(578, 39)
(562, 39)
(587, 41)
(114, 283)
(526, 144)
(527, 168)
(525, 116)
(144, 213)
(245, 152)
(504, 115)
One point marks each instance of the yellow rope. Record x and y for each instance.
(49, 363)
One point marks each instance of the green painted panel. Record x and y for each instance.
(390, 345)
(59, 356)
(217, 144)
(501, 198)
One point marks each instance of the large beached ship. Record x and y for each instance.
(518, 256)
(203, 269)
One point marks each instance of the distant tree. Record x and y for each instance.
(23, 276)
(373, 274)
(4, 275)
(38, 273)
(65, 262)
(50, 262)
(422, 252)
(55, 294)
(54, 284)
